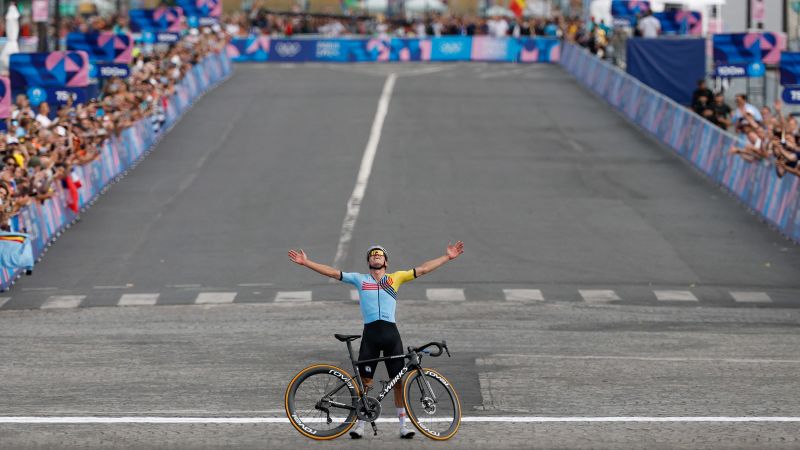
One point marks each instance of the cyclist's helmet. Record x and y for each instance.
(378, 247)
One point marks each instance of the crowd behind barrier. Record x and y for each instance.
(56, 181)
(699, 141)
(450, 48)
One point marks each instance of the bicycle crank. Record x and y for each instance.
(371, 412)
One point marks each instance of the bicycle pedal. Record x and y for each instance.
(374, 429)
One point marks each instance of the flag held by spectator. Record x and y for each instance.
(15, 251)
(517, 7)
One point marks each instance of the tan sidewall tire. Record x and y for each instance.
(414, 374)
(289, 414)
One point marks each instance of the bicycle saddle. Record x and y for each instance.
(347, 337)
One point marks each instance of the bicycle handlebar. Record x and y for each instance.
(441, 347)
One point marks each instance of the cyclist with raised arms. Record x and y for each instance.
(377, 292)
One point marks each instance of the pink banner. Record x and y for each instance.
(5, 97)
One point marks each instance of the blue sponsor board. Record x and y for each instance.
(735, 57)
(451, 49)
(790, 68)
(791, 95)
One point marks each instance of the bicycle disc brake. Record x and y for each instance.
(429, 405)
(371, 412)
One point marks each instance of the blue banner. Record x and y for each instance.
(456, 48)
(737, 55)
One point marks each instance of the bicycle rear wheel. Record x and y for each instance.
(321, 402)
(432, 404)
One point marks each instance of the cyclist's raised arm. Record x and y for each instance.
(299, 257)
(453, 252)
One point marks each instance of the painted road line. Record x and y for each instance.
(675, 296)
(476, 419)
(255, 284)
(523, 295)
(293, 296)
(354, 295)
(596, 296)
(212, 298)
(138, 299)
(751, 297)
(4, 300)
(126, 286)
(40, 289)
(354, 203)
(445, 294)
(63, 301)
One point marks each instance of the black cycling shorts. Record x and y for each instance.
(380, 336)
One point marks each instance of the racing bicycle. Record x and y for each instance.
(324, 401)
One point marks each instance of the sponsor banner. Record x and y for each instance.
(626, 12)
(790, 68)
(737, 55)
(486, 48)
(262, 48)
(680, 22)
(703, 144)
(53, 69)
(791, 94)
(160, 19)
(201, 9)
(5, 97)
(292, 50)
(103, 47)
(771, 43)
(455, 48)
(43, 221)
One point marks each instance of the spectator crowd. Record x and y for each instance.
(766, 134)
(260, 21)
(40, 147)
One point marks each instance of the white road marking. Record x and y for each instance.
(598, 295)
(255, 284)
(503, 359)
(353, 295)
(63, 301)
(446, 295)
(207, 298)
(354, 203)
(477, 419)
(751, 297)
(40, 289)
(3, 301)
(113, 287)
(179, 286)
(138, 299)
(292, 296)
(523, 295)
(678, 296)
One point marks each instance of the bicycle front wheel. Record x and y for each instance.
(432, 404)
(321, 402)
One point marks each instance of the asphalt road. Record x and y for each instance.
(602, 277)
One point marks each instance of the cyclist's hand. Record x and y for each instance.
(298, 257)
(454, 250)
